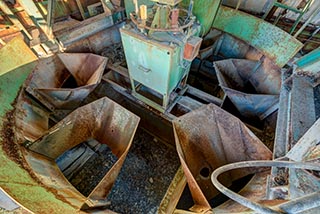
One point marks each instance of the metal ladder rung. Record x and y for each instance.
(283, 6)
(301, 12)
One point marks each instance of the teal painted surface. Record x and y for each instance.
(155, 66)
(310, 62)
(205, 11)
(176, 71)
(271, 40)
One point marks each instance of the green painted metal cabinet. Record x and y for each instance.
(153, 64)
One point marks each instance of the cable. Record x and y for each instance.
(244, 201)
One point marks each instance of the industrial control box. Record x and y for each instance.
(160, 44)
(153, 64)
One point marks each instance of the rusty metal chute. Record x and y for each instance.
(249, 92)
(210, 137)
(62, 81)
(102, 120)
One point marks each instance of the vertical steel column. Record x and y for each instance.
(50, 18)
(81, 9)
(238, 4)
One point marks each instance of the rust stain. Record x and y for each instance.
(7, 134)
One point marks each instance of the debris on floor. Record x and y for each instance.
(146, 174)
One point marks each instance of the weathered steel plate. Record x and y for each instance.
(31, 120)
(297, 130)
(307, 149)
(210, 137)
(84, 29)
(275, 43)
(307, 146)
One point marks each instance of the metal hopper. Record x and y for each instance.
(64, 80)
(251, 93)
(208, 138)
(102, 120)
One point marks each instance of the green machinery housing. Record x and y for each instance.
(160, 44)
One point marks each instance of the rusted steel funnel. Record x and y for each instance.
(208, 138)
(64, 80)
(102, 120)
(246, 90)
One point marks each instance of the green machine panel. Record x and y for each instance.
(151, 63)
(160, 44)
